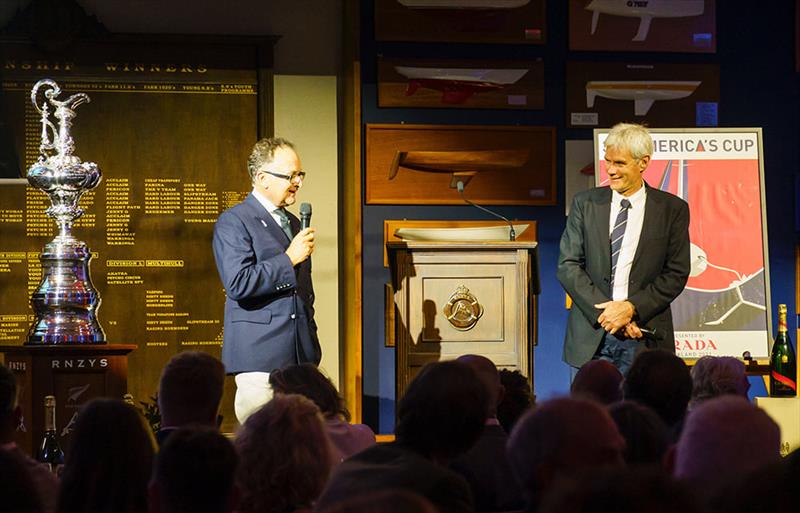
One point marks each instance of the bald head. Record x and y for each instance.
(600, 380)
(562, 437)
(725, 437)
(487, 372)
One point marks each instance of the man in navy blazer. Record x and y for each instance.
(643, 233)
(263, 259)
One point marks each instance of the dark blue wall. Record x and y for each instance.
(759, 88)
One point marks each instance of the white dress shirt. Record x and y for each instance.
(267, 204)
(630, 241)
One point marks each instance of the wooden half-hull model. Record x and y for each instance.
(463, 4)
(462, 164)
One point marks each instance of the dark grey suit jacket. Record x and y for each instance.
(659, 272)
(269, 309)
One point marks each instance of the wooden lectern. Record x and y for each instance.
(455, 298)
(74, 374)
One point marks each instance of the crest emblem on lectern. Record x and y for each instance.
(463, 309)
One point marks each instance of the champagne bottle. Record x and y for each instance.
(50, 452)
(782, 363)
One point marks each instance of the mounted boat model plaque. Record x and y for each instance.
(65, 303)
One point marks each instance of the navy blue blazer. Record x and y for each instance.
(659, 272)
(269, 308)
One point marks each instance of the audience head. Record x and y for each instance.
(599, 380)
(443, 411)
(194, 473)
(647, 438)
(384, 501)
(190, 389)
(18, 492)
(725, 437)
(307, 380)
(713, 376)
(487, 373)
(109, 460)
(559, 438)
(659, 379)
(10, 411)
(285, 456)
(621, 491)
(517, 398)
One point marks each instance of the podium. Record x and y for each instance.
(74, 374)
(456, 298)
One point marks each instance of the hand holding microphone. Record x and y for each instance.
(302, 244)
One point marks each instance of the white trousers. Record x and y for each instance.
(252, 392)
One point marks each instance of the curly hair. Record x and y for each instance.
(307, 380)
(263, 153)
(285, 456)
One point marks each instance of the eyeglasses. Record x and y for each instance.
(297, 175)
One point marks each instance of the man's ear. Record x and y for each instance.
(643, 163)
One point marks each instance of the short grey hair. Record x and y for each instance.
(635, 138)
(713, 376)
(263, 153)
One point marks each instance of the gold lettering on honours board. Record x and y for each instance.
(139, 67)
(37, 65)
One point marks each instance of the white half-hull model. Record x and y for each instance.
(643, 93)
(472, 234)
(463, 4)
(646, 10)
(490, 76)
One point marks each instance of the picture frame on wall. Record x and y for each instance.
(461, 21)
(422, 164)
(659, 94)
(461, 84)
(687, 26)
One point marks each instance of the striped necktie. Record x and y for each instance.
(617, 235)
(287, 229)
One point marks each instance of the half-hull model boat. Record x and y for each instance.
(458, 84)
(646, 10)
(463, 4)
(643, 92)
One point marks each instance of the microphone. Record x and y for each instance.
(305, 215)
(512, 235)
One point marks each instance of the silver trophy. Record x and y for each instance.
(66, 302)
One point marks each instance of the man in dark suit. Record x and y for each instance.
(263, 260)
(624, 258)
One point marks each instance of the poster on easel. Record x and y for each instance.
(724, 309)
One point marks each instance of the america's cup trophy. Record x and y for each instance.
(66, 302)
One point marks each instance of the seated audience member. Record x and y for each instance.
(713, 376)
(194, 473)
(109, 460)
(770, 489)
(647, 438)
(660, 380)
(285, 456)
(18, 492)
(485, 466)
(517, 398)
(600, 380)
(305, 379)
(723, 438)
(10, 416)
(189, 392)
(440, 416)
(559, 439)
(621, 491)
(384, 501)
